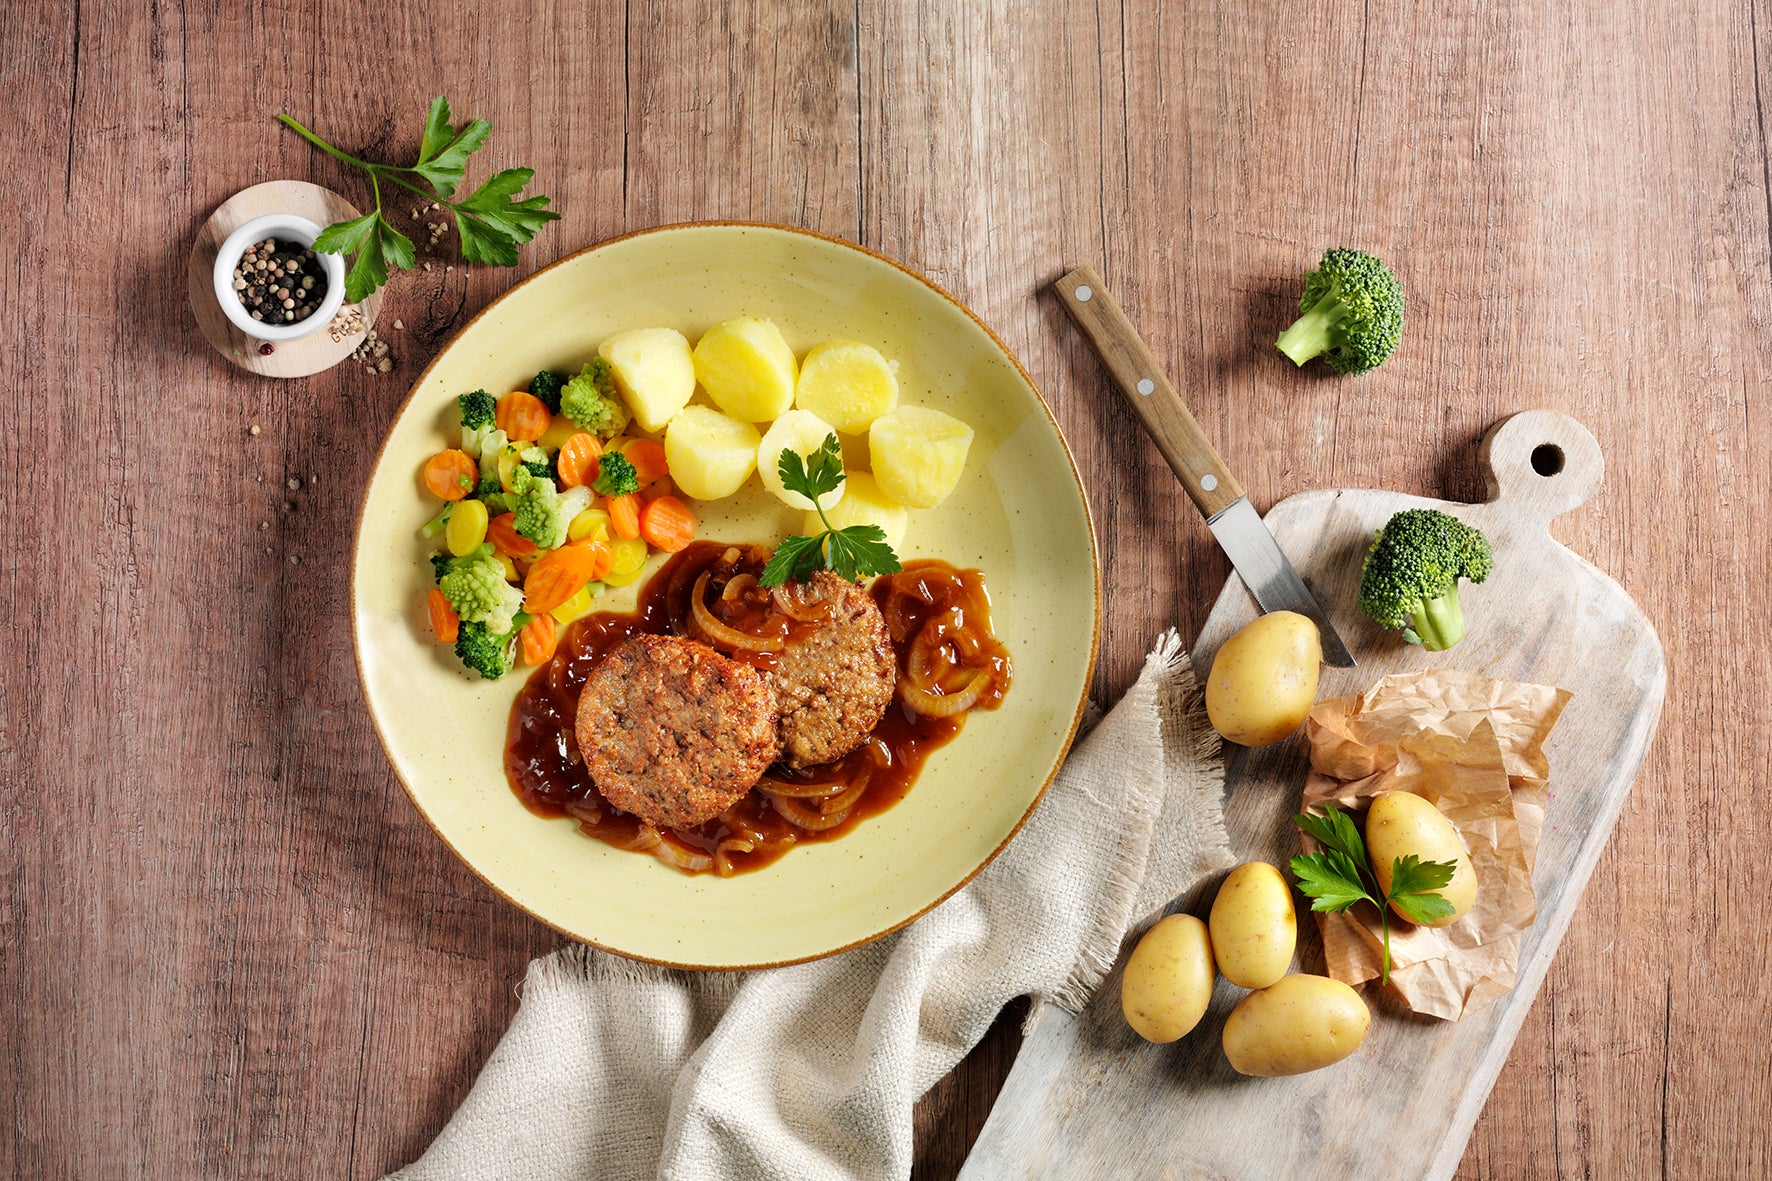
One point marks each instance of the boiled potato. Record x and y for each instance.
(1400, 823)
(801, 431)
(1300, 1023)
(917, 454)
(863, 504)
(1168, 980)
(747, 368)
(1253, 926)
(1264, 680)
(846, 383)
(653, 371)
(710, 454)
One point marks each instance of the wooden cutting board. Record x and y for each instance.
(1087, 1098)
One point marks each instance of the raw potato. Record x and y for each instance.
(848, 384)
(804, 432)
(747, 368)
(863, 504)
(1264, 679)
(917, 454)
(1300, 1024)
(1400, 823)
(653, 371)
(1168, 980)
(710, 454)
(1253, 926)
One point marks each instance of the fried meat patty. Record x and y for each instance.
(672, 731)
(834, 684)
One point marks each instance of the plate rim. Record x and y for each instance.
(375, 720)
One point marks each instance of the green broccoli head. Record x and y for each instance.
(1353, 313)
(546, 386)
(590, 400)
(475, 586)
(537, 461)
(477, 410)
(616, 475)
(485, 652)
(1410, 579)
(542, 512)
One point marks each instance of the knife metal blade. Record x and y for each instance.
(1254, 553)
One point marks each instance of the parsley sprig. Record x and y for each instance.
(1342, 875)
(852, 553)
(490, 222)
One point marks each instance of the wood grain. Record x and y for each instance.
(230, 948)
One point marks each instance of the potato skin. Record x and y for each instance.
(1253, 925)
(1168, 979)
(1301, 1023)
(1400, 823)
(1264, 679)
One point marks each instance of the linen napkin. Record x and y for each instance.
(616, 1069)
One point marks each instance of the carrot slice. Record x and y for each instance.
(601, 552)
(444, 621)
(556, 577)
(451, 474)
(667, 524)
(648, 458)
(624, 515)
(501, 531)
(538, 639)
(524, 417)
(578, 459)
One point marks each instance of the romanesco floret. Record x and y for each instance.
(590, 400)
(542, 512)
(475, 586)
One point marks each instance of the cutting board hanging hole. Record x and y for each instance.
(1540, 464)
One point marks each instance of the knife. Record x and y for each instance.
(1252, 550)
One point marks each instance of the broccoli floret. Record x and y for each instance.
(546, 386)
(488, 487)
(475, 586)
(616, 475)
(542, 512)
(477, 410)
(591, 402)
(1353, 313)
(1410, 579)
(485, 652)
(437, 523)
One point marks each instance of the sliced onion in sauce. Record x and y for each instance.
(800, 791)
(944, 705)
(792, 603)
(724, 635)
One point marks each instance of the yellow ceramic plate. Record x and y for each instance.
(1019, 514)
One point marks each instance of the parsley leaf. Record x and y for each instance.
(852, 553)
(1342, 875)
(491, 222)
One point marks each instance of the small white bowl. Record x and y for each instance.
(289, 228)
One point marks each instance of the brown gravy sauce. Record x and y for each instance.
(931, 608)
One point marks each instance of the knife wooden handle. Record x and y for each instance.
(1165, 416)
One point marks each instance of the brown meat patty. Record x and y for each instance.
(674, 732)
(835, 683)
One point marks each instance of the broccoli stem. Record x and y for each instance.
(1437, 623)
(1314, 333)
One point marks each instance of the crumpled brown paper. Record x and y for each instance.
(1475, 748)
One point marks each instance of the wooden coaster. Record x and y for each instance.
(289, 358)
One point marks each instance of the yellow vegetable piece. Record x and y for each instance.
(572, 608)
(628, 559)
(863, 504)
(1253, 926)
(918, 454)
(848, 384)
(593, 522)
(1301, 1023)
(710, 454)
(1168, 980)
(466, 528)
(507, 463)
(511, 574)
(1264, 679)
(747, 368)
(804, 433)
(653, 371)
(1400, 823)
(559, 430)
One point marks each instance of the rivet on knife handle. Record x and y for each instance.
(1177, 435)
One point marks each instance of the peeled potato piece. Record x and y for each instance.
(747, 368)
(917, 454)
(653, 371)
(710, 454)
(863, 504)
(803, 432)
(848, 384)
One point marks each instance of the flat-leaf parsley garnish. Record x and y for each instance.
(856, 552)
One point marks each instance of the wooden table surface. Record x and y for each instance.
(229, 947)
